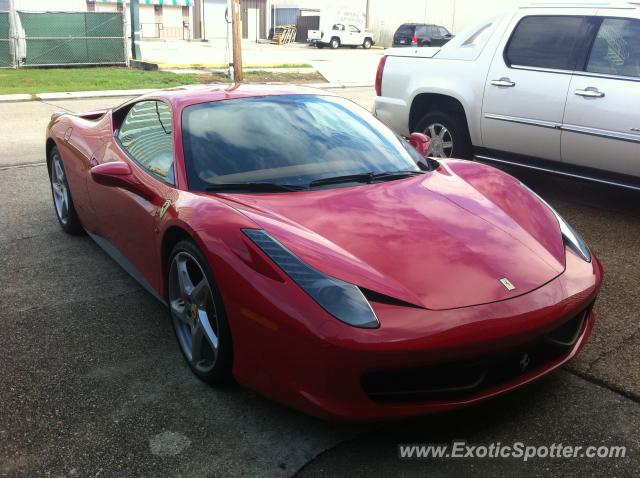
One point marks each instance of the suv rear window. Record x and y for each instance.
(616, 50)
(405, 30)
(546, 42)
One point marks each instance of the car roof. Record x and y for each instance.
(183, 96)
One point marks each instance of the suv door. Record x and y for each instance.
(602, 122)
(128, 220)
(527, 84)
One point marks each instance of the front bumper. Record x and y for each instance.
(304, 358)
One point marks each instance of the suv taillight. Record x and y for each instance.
(414, 41)
(383, 60)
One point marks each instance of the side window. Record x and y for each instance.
(421, 31)
(354, 29)
(338, 26)
(443, 31)
(146, 135)
(616, 50)
(546, 42)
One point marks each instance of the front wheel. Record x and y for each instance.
(62, 202)
(366, 44)
(198, 314)
(335, 43)
(448, 133)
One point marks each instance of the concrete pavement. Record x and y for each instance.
(344, 65)
(92, 381)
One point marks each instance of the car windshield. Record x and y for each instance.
(288, 140)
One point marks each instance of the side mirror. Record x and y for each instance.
(118, 174)
(421, 142)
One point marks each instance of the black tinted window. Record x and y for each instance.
(443, 31)
(146, 135)
(288, 139)
(616, 50)
(546, 42)
(421, 31)
(405, 30)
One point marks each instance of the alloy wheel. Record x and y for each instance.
(60, 188)
(193, 312)
(441, 140)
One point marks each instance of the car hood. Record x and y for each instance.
(440, 240)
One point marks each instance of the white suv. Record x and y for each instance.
(551, 87)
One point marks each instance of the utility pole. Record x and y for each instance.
(134, 10)
(236, 28)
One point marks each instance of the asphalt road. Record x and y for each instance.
(92, 382)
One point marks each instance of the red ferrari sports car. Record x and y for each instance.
(309, 252)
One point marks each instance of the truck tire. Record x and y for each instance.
(449, 134)
(367, 43)
(335, 43)
(319, 45)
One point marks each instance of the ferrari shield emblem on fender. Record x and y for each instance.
(507, 284)
(164, 208)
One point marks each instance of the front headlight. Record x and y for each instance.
(569, 235)
(342, 300)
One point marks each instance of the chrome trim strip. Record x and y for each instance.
(123, 262)
(588, 74)
(602, 133)
(527, 121)
(554, 171)
(542, 70)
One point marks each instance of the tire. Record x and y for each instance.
(367, 43)
(319, 45)
(61, 194)
(458, 134)
(198, 314)
(335, 43)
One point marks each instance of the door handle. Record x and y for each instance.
(503, 82)
(590, 92)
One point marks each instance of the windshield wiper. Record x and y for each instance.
(364, 177)
(253, 187)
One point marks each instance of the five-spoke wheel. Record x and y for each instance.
(197, 314)
(62, 202)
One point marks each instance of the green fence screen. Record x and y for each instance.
(70, 38)
(5, 48)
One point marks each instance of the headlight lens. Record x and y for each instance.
(342, 300)
(569, 235)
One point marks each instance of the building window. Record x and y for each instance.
(91, 6)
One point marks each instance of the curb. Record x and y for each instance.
(15, 98)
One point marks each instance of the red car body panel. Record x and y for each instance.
(436, 245)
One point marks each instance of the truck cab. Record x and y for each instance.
(341, 34)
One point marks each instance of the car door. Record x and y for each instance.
(355, 35)
(527, 84)
(445, 35)
(437, 38)
(602, 122)
(128, 220)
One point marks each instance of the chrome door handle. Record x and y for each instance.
(590, 92)
(503, 82)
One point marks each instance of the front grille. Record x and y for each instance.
(459, 379)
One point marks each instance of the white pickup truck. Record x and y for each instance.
(550, 87)
(341, 35)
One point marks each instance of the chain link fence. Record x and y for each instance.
(6, 57)
(62, 38)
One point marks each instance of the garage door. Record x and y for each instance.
(215, 25)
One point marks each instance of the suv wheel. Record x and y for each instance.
(335, 43)
(448, 133)
(367, 43)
